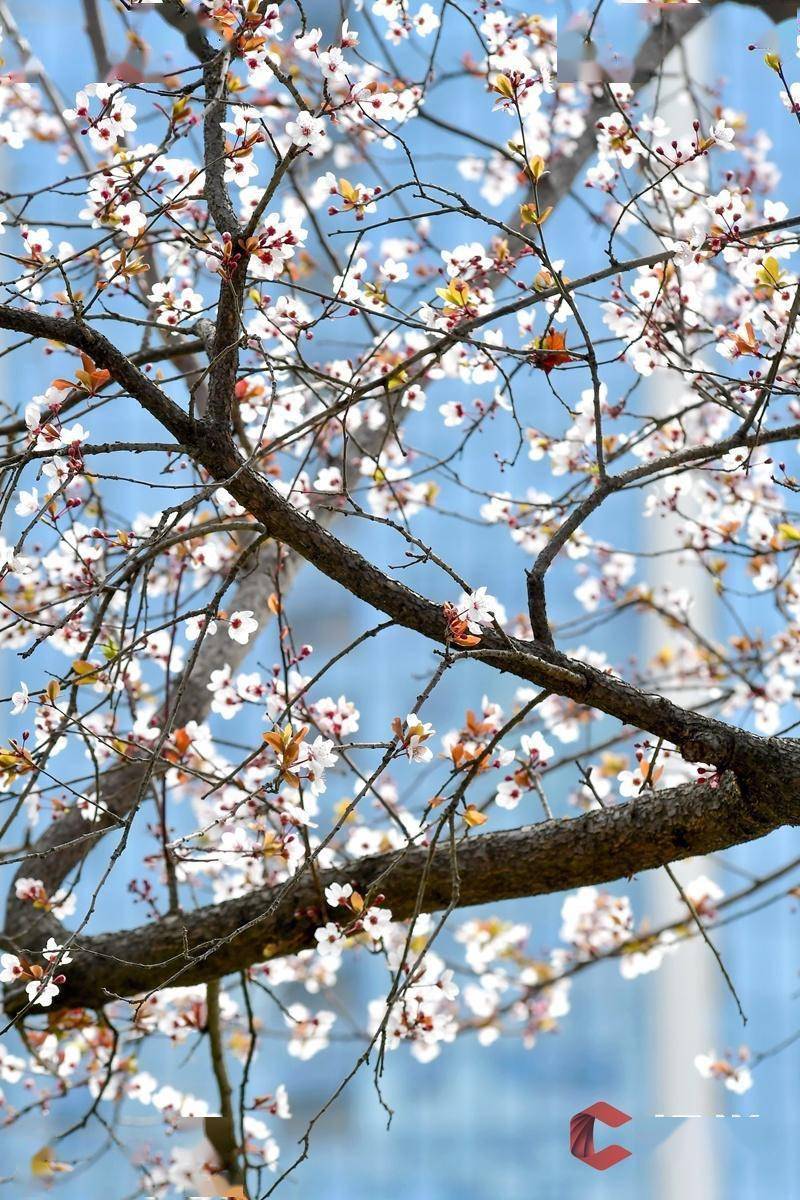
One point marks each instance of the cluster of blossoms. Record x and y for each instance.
(512, 990)
(42, 984)
(400, 366)
(112, 118)
(736, 1075)
(532, 759)
(32, 891)
(371, 920)
(596, 924)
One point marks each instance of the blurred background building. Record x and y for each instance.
(493, 1122)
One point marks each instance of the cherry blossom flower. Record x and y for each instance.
(53, 952)
(241, 626)
(736, 1077)
(453, 412)
(258, 1143)
(394, 272)
(12, 969)
(413, 736)
(43, 991)
(333, 65)
(478, 609)
(130, 218)
(192, 1168)
(328, 939)
(309, 1032)
(11, 1067)
(376, 922)
(37, 242)
(336, 717)
(595, 922)
(467, 260)
(426, 20)
(28, 503)
(307, 42)
(19, 700)
(114, 119)
(722, 134)
(508, 794)
(338, 894)
(200, 624)
(703, 894)
(61, 904)
(306, 131)
(329, 479)
(319, 756)
(791, 99)
(536, 750)
(89, 809)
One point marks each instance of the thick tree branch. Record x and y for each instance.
(595, 848)
(700, 738)
(555, 856)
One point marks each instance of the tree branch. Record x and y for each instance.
(595, 848)
(700, 738)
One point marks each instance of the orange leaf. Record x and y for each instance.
(550, 351)
(182, 740)
(44, 1165)
(473, 816)
(503, 85)
(86, 671)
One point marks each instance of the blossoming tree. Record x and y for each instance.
(253, 356)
